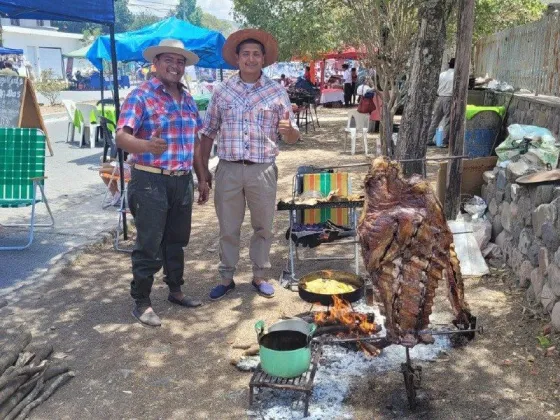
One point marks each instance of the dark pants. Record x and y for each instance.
(162, 209)
(442, 111)
(354, 87)
(347, 93)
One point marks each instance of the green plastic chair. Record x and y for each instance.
(22, 172)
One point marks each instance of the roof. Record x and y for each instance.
(99, 11)
(41, 32)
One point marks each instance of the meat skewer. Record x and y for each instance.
(407, 248)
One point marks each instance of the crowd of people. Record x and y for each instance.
(7, 68)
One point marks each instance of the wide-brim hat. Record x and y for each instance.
(170, 46)
(270, 45)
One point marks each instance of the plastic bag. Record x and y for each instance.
(476, 207)
(542, 146)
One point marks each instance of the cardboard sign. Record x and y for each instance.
(472, 181)
(18, 105)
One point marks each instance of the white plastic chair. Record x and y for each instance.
(89, 128)
(70, 107)
(361, 123)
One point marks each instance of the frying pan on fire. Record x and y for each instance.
(326, 300)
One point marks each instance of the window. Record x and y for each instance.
(40, 22)
(14, 22)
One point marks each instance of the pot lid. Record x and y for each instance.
(540, 177)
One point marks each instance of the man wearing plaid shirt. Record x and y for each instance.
(158, 125)
(250, 111)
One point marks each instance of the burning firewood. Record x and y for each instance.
(407, 247)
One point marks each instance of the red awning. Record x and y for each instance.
(347, 54)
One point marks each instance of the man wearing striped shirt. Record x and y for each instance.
(249, 110)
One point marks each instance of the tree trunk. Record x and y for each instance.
(459, 107)
(386, 124)
(426, 66)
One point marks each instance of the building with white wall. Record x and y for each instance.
(42, 44)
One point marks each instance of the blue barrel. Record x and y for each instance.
(439, 137)
(480, 133)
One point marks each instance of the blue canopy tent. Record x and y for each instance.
(6, 51)
(205, 43)
(98, 11)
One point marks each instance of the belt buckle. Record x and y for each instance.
(172, 173)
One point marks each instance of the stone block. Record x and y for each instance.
(502, 238)
(488, 176)
(517, 226)
(553, 274)
(501, 179)
(533, 254)
(524, 274)
(530, 296)
(517, 259)
(505, 216)
(537, 282)
(555, 316)
(515, 170)
(542, 194)
(507, 192)
(544, 261)
(499, 196)
(542, 214)
(548, 299)
(526, 238)
(557, 257)
(493, 207)
(497, 227)
(515, 192)
(550, 236)
(556, 192)
(525, 210)
(484, 193)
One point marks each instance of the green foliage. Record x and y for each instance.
(492, 16)
(302, 27)
(91, 34)
(188, 10)
(123, 16)
(212, 22)
(50, 87)
(544, 341)
(142, 20)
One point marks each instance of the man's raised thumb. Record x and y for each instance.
(157, 132)
(287, 115)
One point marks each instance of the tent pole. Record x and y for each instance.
(102, 83)
(221, 74)
(117, 112)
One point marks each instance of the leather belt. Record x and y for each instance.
(244, 162)
(160, 171)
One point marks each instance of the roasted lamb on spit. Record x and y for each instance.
(407, 247)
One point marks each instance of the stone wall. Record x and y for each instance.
(543, 111)
(526, 225)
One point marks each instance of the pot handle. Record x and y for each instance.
(312, 329)
(259, 328)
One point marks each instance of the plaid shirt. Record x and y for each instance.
(247, 119)
(148, 107)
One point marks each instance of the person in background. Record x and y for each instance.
(442, 107)
(158, 126)
(354, 76)
(250, 111)
(9, 69)
(284, 81)
(307, 74)
(347, 80)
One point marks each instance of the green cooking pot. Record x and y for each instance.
(285, 353)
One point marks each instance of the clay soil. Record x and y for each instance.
(182, 370)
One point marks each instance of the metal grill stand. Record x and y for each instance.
(302, 383)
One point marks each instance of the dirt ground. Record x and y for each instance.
(182, 370)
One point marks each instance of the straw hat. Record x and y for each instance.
(236, 38)
(170, 46)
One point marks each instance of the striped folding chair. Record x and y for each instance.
(22, 173)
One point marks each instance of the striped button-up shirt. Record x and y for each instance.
(149, 107)
(247, 118)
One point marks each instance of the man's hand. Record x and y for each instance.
(157, 145)
(204, 190)
(289, 134)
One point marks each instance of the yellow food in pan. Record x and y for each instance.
(328, 287)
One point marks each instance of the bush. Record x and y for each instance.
(50, 87)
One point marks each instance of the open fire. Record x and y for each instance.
(343, 322)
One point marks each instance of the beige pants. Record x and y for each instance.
(237, 184)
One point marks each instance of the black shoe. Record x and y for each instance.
(186, 302)
(431, 144)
